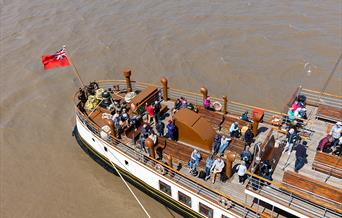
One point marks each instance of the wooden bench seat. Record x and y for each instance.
(328, 163)
(180, 151)
(148, 95)
(329, 113)
(323, 194)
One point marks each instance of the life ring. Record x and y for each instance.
(160, 169)
(217, 106)
(276, 120)
(225, 202)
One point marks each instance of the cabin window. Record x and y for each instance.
(205, 210)
(184, 198)
(165, 188)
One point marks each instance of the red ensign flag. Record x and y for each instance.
(59, 59)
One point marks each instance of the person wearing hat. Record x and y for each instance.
(336, 133)
(300, 156)
(292, 137)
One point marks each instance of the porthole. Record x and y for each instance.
(105, 148)
(126, 162)
(93, 139)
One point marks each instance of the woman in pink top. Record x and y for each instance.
(206, 103)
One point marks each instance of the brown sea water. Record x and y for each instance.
(252, 51)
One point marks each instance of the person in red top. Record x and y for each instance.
(150, 112)
(325, 143)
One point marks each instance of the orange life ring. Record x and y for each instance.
(276, 120)
(217, 106)
(160, 169)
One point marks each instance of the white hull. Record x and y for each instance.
(145, 174)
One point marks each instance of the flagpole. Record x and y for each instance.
(74, 67)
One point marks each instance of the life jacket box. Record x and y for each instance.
(257, 113)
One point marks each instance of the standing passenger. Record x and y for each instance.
(300, 156)
(292, 137)
(241, 171)
(171, 130)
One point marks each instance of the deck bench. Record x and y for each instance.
(328, 164)
(329, 113)
(314, 191)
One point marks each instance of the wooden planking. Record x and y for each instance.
(329, 113)
(293, 180)
(328, 163)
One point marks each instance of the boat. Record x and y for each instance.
(160, 166)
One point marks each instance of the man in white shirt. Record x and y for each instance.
(241, 171)
(234, 130)
(336, 133)
(217, 167)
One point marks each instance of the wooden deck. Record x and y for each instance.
(329, 113)
(221, 125)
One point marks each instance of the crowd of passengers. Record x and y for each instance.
(297, 110)
(214, 162)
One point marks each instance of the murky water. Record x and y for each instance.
(252, 51)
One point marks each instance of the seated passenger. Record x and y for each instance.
(160, 128)
(194, 160)
(217, 167)
(291, 115)
(145, 130)
(183, 103)
(335, 132)
(216, 144)
(248, 136)
(325, 144)
(295, 105)
(224, 144)
(234, 130)
(208, 164)
(206, 103)
(244, 116)
(154, 138)
(246, 156)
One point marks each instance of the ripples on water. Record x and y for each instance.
(255, 52)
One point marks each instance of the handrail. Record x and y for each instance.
(282, 194)
(243, 205)
(324, 93)
(281, 186)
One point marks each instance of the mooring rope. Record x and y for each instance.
(129, 188)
